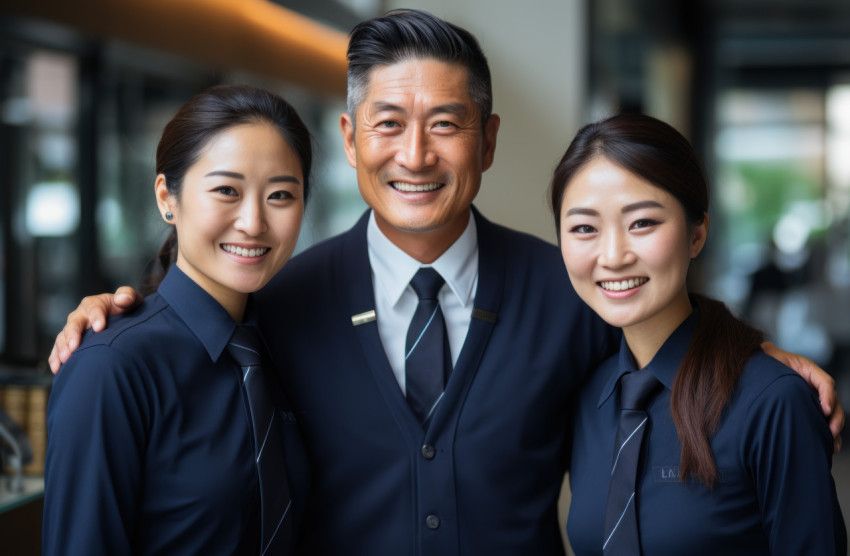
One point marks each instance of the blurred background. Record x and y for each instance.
(761, 87)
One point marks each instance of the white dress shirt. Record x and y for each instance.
(395, 300)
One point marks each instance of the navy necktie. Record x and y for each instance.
(621, 528)
(427, 359)
(275, 499)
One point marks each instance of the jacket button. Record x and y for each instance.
(432, 521)
(428, 451)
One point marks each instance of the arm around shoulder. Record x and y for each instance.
(91, 313)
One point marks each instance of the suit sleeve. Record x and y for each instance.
(788, 449)
(97, 423)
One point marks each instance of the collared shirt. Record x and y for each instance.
(395, 300)
(773, 452)
(149, 437)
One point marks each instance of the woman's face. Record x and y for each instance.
(239, 212)
(627, 246)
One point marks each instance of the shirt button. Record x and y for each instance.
(432, 521)
(428, 451)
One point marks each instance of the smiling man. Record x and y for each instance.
(479, 471)
(419, 145)
(460, 451)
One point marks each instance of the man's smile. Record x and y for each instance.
(415, 188)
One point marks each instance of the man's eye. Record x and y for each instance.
(389, 124)
(582, 229)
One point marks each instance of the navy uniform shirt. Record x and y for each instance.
(149, 446)
(773, 450)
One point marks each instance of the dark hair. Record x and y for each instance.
(197, 122)
(404, 34)
(646, 147)
(721, 344)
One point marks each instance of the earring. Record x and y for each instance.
(168, 216)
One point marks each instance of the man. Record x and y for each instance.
(475, 469)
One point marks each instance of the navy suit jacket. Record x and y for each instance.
(485, 477)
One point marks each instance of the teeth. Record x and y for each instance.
(411, 188)
(258, 252)
(623, 284)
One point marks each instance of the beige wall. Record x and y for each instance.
(536, 52)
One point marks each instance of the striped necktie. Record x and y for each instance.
(275, 499)
(621, 527)
(427, 357)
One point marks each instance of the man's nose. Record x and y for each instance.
(416, 149)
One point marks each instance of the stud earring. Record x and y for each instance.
(168, 216)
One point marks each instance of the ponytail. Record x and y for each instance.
(719, 350)
(158, 266)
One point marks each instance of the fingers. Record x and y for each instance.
(64, 345)
(831, 407)
(836, 425)
(69, 337)
(125, 298)
(827, 395)
(92, 312)
(53, 360)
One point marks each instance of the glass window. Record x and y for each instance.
(42, 199)
(781, 204)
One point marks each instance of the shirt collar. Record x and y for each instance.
(393, 268)
(202, 314)
(664, 365)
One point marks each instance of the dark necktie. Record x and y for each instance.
(621, 528)
(275, 498)
(427, 359)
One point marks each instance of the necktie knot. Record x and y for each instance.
(244, 346)
(426, 283)
(636, 389)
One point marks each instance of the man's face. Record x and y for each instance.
(419, 151)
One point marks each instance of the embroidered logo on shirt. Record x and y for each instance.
(666, 474)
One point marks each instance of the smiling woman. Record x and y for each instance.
(627, 245)
(706, 433)
(152, 419)
(237, 212)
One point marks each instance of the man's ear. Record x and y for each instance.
(346, 127)
(491, 130)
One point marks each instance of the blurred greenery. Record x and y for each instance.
(770, 189)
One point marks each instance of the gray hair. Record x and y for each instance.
(402, 35)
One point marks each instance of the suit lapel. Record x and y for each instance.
(485, 316)
(357, 282)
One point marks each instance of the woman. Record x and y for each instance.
(727, 452)
(150, 425)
